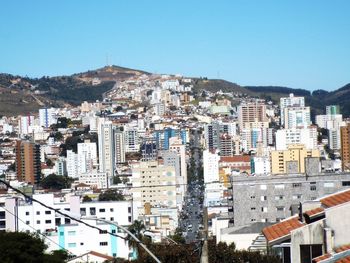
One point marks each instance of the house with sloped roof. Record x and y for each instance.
(320, 233)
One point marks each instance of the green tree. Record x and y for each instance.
(86, 198)
(56, 182)
(29, 248)
(116, 180)
(111, 195)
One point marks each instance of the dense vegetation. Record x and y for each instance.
(29, 248)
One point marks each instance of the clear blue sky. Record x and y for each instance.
(294, 43)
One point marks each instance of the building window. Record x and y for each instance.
(48, 212)
(102, 210)
(27, 222)
(264, 209)
(71, 233)
(129, 209)
(312, 187)
(296, 197)
(279, 186)
(112, 218)
(263, 198)
(252, 208)
(252, 197)
(345, 183)
(279, 197)
(113, 231)
(103, 243)
(27, 213)
(295, 185)
(308, 252)
(129, 219)
(67, 221)
(92, 211)
(252, 220)
(103, 231)
(37, 212)
(328, 185)
(83, 211)
(47, 221)
(82, 244)
(280, 208)
(111, 209)
(38, 222)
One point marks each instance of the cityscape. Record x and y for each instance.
(119, 164)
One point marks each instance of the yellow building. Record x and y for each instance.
(291, 160)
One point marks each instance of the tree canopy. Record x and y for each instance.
(111, 195)
(56, 182)
(30, 248)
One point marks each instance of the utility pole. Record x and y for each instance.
(204, 255)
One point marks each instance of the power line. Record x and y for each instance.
(58, 211)
(46, 237)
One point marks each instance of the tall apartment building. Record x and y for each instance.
(345, 147)
(177, 147)
(153, 184)
(28, 165)
(297, 117)
(132, 143)
(47, 117)
(274, 198)
(290, 101)
(210, 166)
(149, 150)
(119, 147)
(291, 160)
(89, 149)
(251, 112)
(332, 110)
(215, 130)
(106, 147)
(305, 136)
(25, 123)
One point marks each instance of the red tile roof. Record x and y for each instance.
(337, 250)
(344, 260)
(336, 199)
(281, 229)
(314, 212)
(342, 248)
(320, 258)
(236, 158)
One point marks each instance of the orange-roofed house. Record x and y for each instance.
(320, 233)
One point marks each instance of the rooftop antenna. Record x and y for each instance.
(107, 62)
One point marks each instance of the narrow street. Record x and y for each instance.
(191, 217)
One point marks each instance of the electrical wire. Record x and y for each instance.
(46, 237)
(59, 212)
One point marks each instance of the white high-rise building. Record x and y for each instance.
(119, 147)
(47, 117)
(25, 123)
(305, 136)
(334, 139)
(211, 166)
(106, 148)
(72, 164)
(297, 117)
(131, 139)
(290, 101)
(89, 149)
